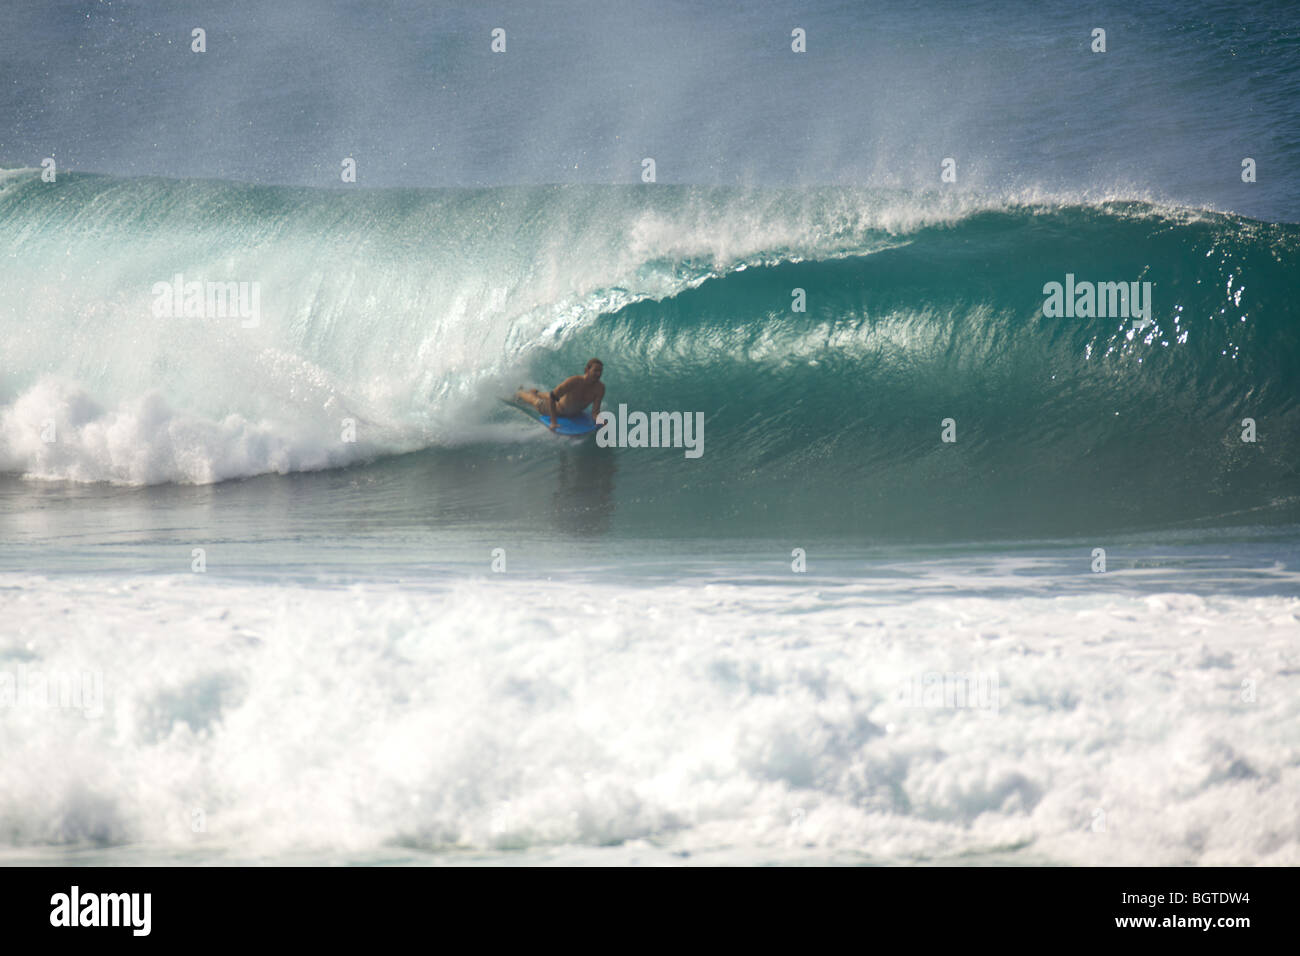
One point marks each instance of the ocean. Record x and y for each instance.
(954, 574)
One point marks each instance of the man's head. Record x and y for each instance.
(593, 370)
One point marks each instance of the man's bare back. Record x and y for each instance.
(571, 396)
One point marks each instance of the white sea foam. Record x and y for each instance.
(57, 431)
(751, 722)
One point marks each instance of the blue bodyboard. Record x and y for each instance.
(582, 424)
(575, 425)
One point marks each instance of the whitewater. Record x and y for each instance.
(574, 720)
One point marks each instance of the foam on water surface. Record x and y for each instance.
(774, 723)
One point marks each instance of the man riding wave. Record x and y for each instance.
(570, 397)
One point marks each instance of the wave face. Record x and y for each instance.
(408, 311)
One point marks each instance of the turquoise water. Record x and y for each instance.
(826, 421)
(291, 585)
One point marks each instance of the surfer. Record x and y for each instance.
(571, 396)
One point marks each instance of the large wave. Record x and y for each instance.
(1062, 422)
(405, 311)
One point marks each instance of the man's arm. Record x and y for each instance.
(558, 393)
(600, 394)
